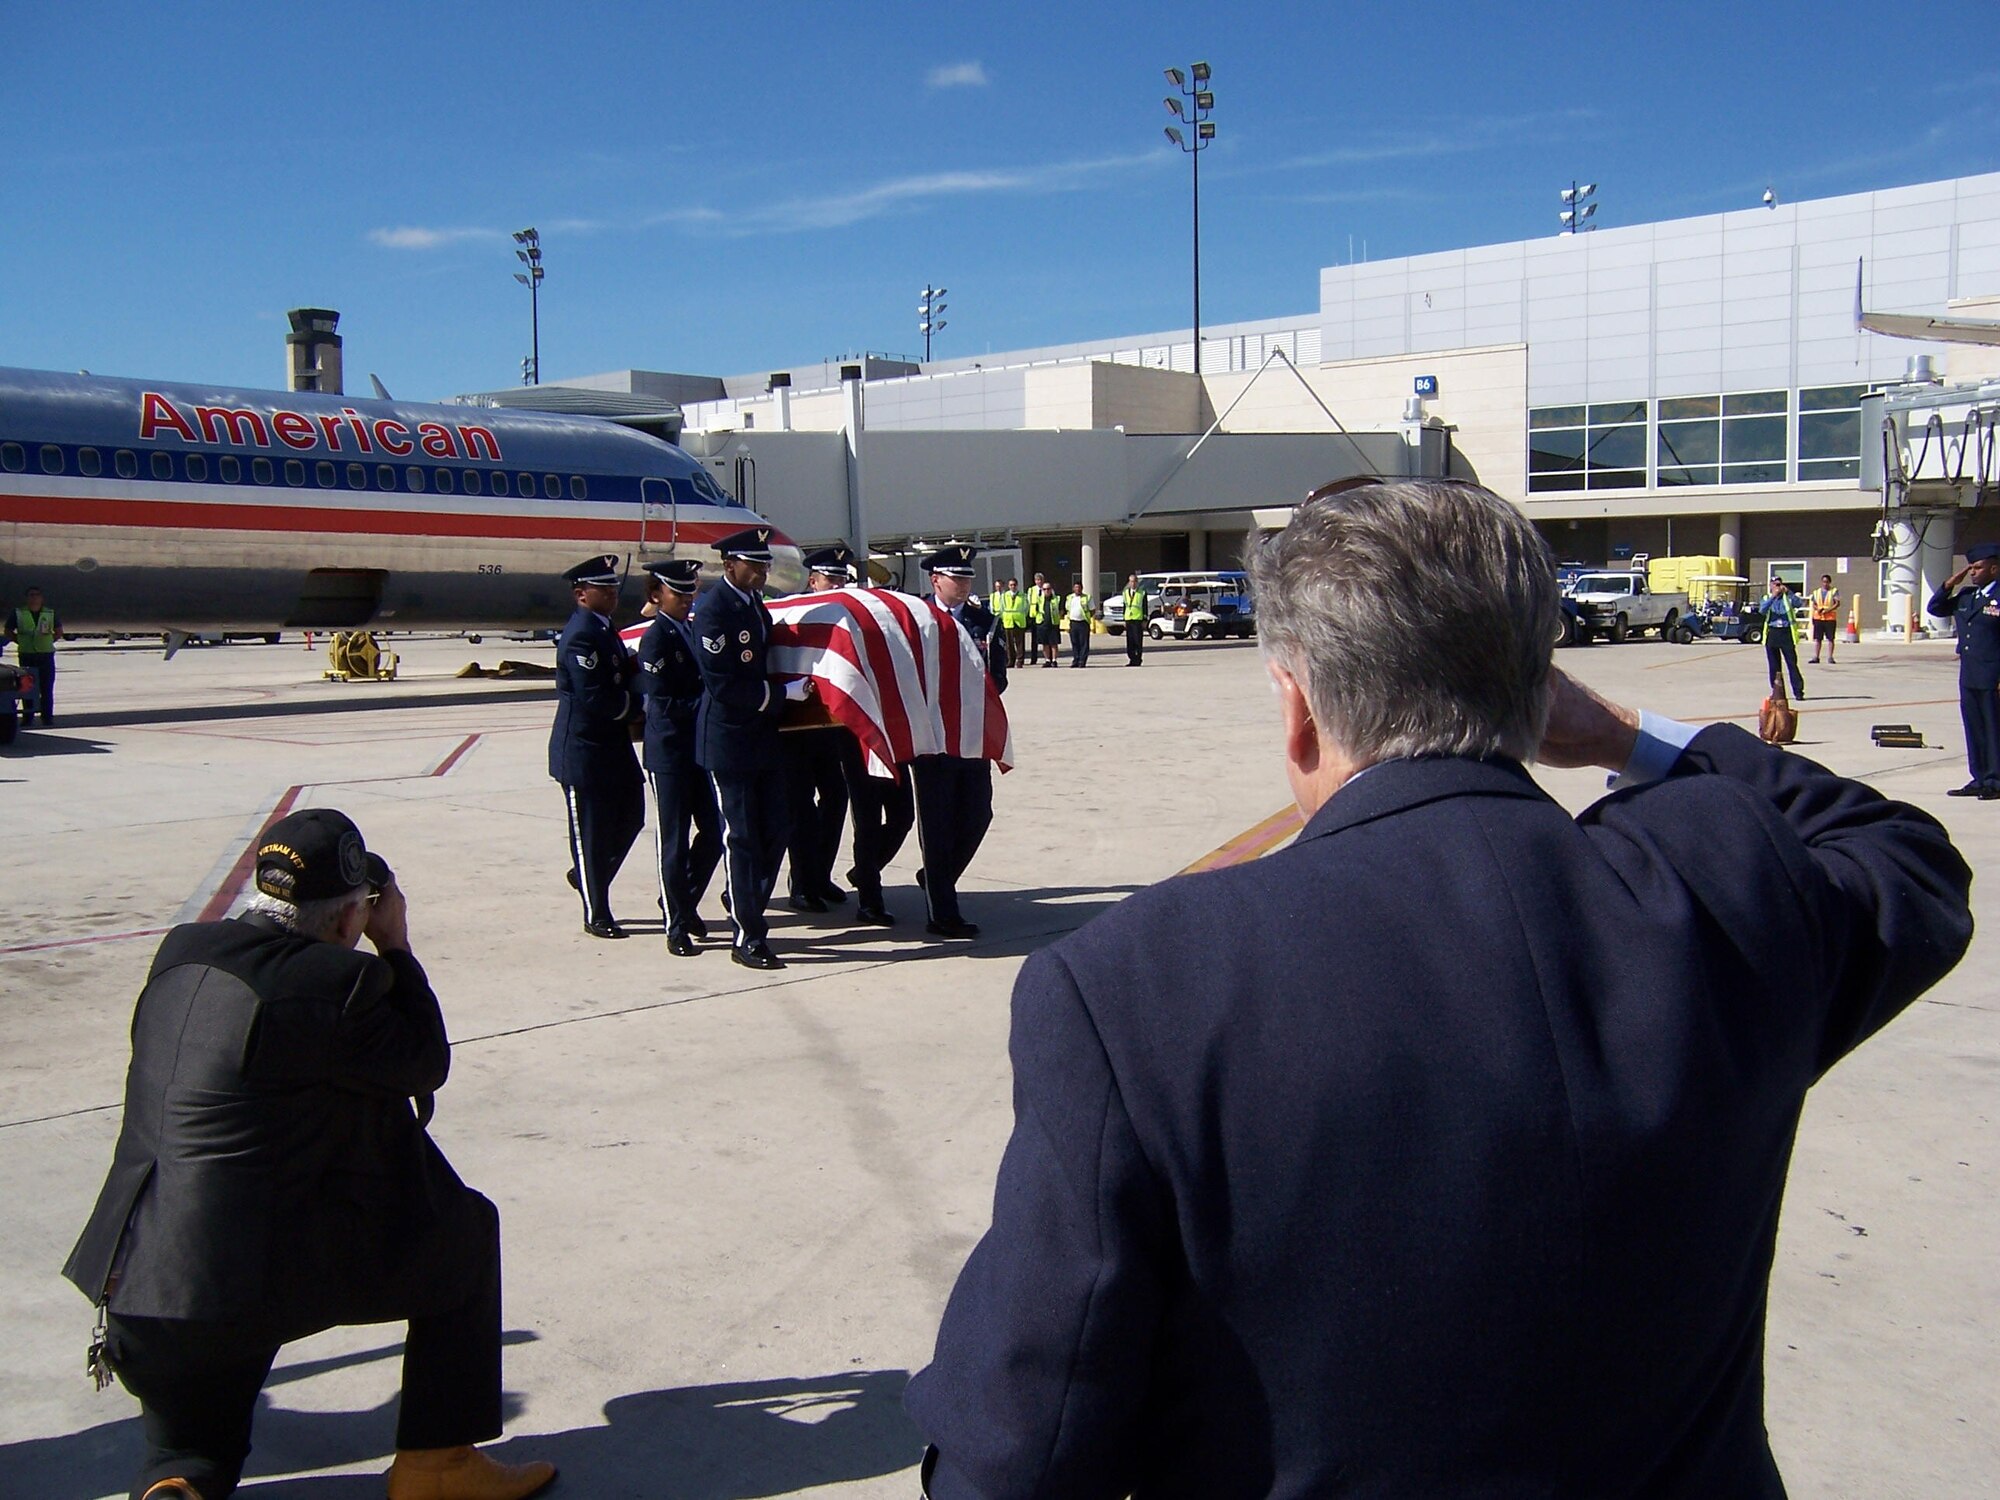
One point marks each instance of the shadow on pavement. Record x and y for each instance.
(298, 707)
(737, 1441)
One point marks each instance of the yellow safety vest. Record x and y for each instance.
(34, 634)
(1135, 604)
(1034, 606)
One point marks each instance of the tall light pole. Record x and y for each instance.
(929, 316)
(1578, 207)
(1193, 87)
(530, 255)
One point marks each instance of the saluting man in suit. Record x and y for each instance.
(590, 745)
(1971, 597)
(955, 792)
(736, 736)
(670, 683)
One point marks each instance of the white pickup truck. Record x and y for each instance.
(1613, 605)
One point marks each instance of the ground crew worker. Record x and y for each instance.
(1037, 611)
(34, 629)
(1011, 605)
(1051, 623)
(1825, 616)
(1135, 620)
(1076, 609)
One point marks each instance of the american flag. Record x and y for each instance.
(895, 669)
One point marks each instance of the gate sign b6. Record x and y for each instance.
(1427, 385)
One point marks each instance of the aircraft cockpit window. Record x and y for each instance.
(197, 467)
(444, 481)
(231, 467)
(472, 481)
(415, 477)
(163, 466)
(260, 470)
(295, 472)
(127, 463)
(89, 462)
(385, 477)
(578, 490)
(524, 486)
(552, 486)
(325, 475)
(52, 459)
(711, 492)
(13, 457)
(357, 477)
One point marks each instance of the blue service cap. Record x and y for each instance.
(681, 574)
(752, 544)
(953, 562)
(1982, 552)
(834, 562)
(598, 571)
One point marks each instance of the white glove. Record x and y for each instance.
(797, 689)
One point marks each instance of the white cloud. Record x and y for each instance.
(965, 75)
(416, 237)
(838, 210)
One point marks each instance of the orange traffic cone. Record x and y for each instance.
(1854, 621)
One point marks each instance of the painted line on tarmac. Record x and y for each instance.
(1252, 843)
(77, 942)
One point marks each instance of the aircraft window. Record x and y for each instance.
(416, 480)
(525, 485)
(577, 488)
(295, 472)
(13, 457)
(163, 466)
(472, 481)
(357, 476)
(260, 470)
(90, 461)
(552, 486)
(325, 475)
(197, 467)
(230, 467)
(385, 477)
(128, 464)
(52, 459)
(444, 481)
(499, 481)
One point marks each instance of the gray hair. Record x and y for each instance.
(1418, 615)
(318, 920)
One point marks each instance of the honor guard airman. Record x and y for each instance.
(815, 787)
(590, 745)
(736, 736)
(670, 684)
(1971, 598)
(954, 792)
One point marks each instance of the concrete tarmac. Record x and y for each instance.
(733, 1203)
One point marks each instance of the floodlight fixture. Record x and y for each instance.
(530, 255)
(1192, 107)
(1176, 77)
(1177, 138)
(1201, 72)
(1173, 107)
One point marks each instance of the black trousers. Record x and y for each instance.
(753, 842)
(1135, 641)
(605, 816)
(883, 812)
(816, 805)
(954, 810)
(43, 665)
(197, 1382)
(1979, 711)
(1079, 642)
(1778, 643)
(683, 794)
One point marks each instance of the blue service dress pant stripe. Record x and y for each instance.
(954, 809)
(753, 842)
(686, 865)
(603, 822)
(1979, 711)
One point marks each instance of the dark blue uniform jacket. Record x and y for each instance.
(589, 741)
(670, 683)
(736, 730)
(1438, 1154)
(983, 626)
(1977, 613)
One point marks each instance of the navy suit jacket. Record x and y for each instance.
(1977, 615)
(1440, 1153)
(589, 743)
(670, 682)
(736, 729)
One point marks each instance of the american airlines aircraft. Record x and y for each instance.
(142, 505)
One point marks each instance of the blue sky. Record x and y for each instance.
(734, 188)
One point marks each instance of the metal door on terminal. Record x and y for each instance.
(659, 518)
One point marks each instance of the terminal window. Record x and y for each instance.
(1601, 446)
(1736, 438)
(1830, 432)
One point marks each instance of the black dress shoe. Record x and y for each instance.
(874, 916)
(605, 929)
(680, 945)
(952, 929)
(1989, 794)
(1970, 789)
(570, 876)
(757, 956)
(696, 928)
(831, 894)
(725, 898)
(805, 903)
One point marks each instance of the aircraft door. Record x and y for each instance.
(659, 518)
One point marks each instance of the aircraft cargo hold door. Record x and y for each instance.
(658, 518)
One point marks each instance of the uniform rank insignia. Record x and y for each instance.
(650, 666)
(587, 660)
(713, 644)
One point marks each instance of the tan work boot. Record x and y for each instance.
(462, 1474)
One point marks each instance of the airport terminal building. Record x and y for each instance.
(1692, 386)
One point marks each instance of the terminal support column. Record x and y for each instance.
(1729, 538)
(1197, 550)
(1093, 538)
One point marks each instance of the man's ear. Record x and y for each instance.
(1302, 746)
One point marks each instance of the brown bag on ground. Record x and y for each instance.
(1777, 720)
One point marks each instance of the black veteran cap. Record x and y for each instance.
(681, 574)
(752, 544)
(315, 855)
(1982, 552)
(953, 562)
(834, 562)
(598, 571)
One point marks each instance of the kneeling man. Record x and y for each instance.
(273, 1178)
